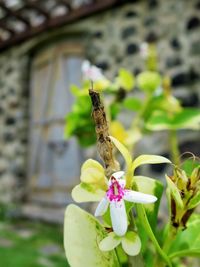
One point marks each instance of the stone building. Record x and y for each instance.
(42, 45)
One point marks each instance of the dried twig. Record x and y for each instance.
(104, 144)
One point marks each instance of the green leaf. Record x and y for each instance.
(110, 242)
(107, 219)
(175, 192)
(186, 253)
(195, 175)
(126, 79)
(76, 91)
(79, 123)
(188, 118)
(87, 193)
(123, 150)
(153, 187)
(149, 159)
(82, 234)
(195, 201)
(148, 81)
(189, 165)
(131, 243)
(132, 103)
(187, 242)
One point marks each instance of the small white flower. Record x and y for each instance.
(115, 196)
(144, 50)
(91, 72)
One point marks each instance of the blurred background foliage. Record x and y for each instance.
(148, 95)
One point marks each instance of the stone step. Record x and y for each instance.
(43, 213)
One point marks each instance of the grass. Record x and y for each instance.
(28, 251)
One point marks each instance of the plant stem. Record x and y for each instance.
(118, 258)
(138, 117)
(166, 246)
(132, 224)
(175, 153)
(143, 217)
(169, 239)
(144, 220)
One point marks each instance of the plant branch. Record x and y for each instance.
(104, 144)
(175, 153)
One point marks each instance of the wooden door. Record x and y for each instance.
(54, 163)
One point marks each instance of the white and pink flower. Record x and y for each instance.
(91, 72)
(115, 196)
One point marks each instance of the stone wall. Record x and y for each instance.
(111, 41)
(13, 124)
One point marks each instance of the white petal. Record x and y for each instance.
(118, 175)
(118, 217)
(102, 207)
(138, 197)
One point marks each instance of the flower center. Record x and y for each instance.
(115, 191)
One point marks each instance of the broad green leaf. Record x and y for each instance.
(148, 81)
(126, 79)
(149, 159)
(132, 103)
(187, 242)
(131, 243)
(195, 201)
(123, 150)
(82, 234)
(188, 118)
(87, 193)
(163, 102)
(153, 187)
(175, 192)
(110, 242)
